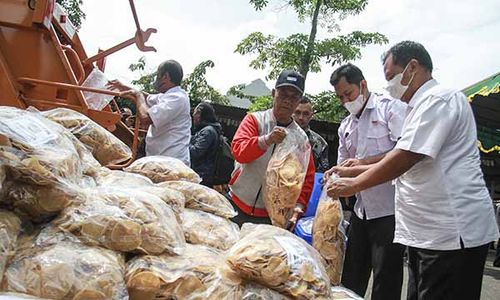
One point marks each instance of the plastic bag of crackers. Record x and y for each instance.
(285, 176)
(281, 261)
(329, 234)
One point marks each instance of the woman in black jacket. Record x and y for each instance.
(204, 142)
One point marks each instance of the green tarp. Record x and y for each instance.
(484, 98)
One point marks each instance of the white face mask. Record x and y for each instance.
(354, 107)
(394, 86)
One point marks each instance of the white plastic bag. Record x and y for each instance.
(285, 176)
(96, 101)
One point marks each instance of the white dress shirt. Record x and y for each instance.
(170, 133)
(443, 198)
(375, 132)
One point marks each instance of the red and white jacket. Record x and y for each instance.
(252, 155)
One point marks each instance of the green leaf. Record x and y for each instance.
(72, 8)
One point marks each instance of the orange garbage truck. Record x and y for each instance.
(43, 64)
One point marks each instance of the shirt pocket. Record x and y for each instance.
(378, 139)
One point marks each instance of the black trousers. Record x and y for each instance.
(455, 274)
(496, 263)
(370, 247)
(242, 217)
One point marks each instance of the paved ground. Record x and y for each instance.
(491, 281)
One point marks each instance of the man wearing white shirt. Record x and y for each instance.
(372, 129)
(444, 213)
(167, 113)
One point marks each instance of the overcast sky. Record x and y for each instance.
(462, 36)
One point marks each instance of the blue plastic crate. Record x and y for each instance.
(304, 229)
(316, 193)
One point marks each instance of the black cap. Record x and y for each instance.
(291, 78)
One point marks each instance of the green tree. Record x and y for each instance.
(326, 107)
(195, 83)
(75, 13)
(198, 88)
(147, 77)
(303, 52)
(261, 103)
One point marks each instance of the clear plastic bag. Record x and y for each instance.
(285, 176)
(10, 227)
(202, 198)
(51, 265)
(3, 176)
(279, 260)
(115, 178)
(342, 293)
(109, 178)
(17, 296)
(329, 233)
(98, 80)
(195, 274)
(207, 229)
(39, 151)
(124, 220)
(105, 147)
(253, 291)
(39, 203)
(163, 168)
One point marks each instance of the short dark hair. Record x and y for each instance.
(350, 72)
(305, 100)
(207, 112)
(405, 51)
(173, 69)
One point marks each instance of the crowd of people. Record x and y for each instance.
(409, 157)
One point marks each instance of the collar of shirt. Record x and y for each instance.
(420, 92)
(173, 90)
(371, 101)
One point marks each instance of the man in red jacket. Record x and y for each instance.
(252, 148)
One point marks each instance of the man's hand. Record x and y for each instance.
(343, 171)
(342, 187)
(140, 103)
(292, 222)
(276, 136)
(118, 85)
(131, 94)
(351, 162)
